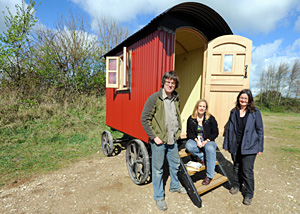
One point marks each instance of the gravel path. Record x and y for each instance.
(102, 185)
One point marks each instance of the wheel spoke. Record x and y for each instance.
(139, 169)
(134, 149)
(106, 147)
(131, 159)
(140, 161)
(137, 161)
(107, 143)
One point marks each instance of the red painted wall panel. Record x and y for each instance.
(152, 56)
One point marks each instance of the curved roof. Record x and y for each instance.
(190, 14)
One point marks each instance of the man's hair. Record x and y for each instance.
(170, 75)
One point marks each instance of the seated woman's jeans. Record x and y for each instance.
(210, 153)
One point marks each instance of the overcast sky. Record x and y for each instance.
(272, 25)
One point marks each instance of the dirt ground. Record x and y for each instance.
(102, 185)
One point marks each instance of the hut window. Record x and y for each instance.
(228, 61)
(118, 71)
(112, 70)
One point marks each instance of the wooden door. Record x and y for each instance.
(227, 72)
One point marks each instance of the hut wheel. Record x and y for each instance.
(107, 143)
(137, 161)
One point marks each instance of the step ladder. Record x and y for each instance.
(192, 178)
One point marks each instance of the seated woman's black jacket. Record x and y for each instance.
(210, 128)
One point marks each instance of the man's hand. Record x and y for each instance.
(158, 141)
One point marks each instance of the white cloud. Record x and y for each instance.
(252, 16)
(294, 49)
(3, 4)
(271, 53)
(297, 25)
(255, 16)
(243, 16)
(266, 51)
(261, 57)
(123, 10)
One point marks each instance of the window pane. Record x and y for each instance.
(112, 78)
(112, 64)
(228, 59)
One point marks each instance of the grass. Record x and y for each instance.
(47, 143)
(282, 138)
(47, 137)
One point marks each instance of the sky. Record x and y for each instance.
(272, 25)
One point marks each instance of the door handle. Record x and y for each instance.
(246, 72)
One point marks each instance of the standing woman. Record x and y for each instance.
(202, 130)
(244, 139)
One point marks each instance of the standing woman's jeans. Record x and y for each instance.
(210, 153)
(159, 152)
(243, 166)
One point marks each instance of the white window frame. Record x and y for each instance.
(123, 73)
(109, 71)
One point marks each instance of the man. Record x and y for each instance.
(161, 120)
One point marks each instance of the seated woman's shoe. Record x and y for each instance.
(206, 181)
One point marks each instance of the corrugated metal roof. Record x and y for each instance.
(190, 14)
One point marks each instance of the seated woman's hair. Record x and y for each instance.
(195, 111)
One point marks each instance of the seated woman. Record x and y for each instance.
(202, 130)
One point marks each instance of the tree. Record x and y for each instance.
(296, 89)
(269, 84)
(293, 77)
(15, 66)
(110, 34)
(70, 54)
(277, 83)
(261, 85)
(280, 77)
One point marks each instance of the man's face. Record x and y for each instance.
(169, 86)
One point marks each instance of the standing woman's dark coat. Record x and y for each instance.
(253, 139)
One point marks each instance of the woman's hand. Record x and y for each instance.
(201, 144)
(205, 142)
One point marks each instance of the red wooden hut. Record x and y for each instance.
(196, 42)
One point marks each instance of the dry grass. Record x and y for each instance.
(38, 137)
(282, 139)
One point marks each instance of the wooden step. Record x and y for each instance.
(183, 153)
(217, 180)
(192, 171)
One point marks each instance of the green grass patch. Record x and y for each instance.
(267, 112)
(291, 150)
(55, 135)
(282, 138)
(45, 144)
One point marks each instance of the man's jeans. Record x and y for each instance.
(210, 153)
(158, 156)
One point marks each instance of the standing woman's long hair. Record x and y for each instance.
(195, 111)
(251, 105)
